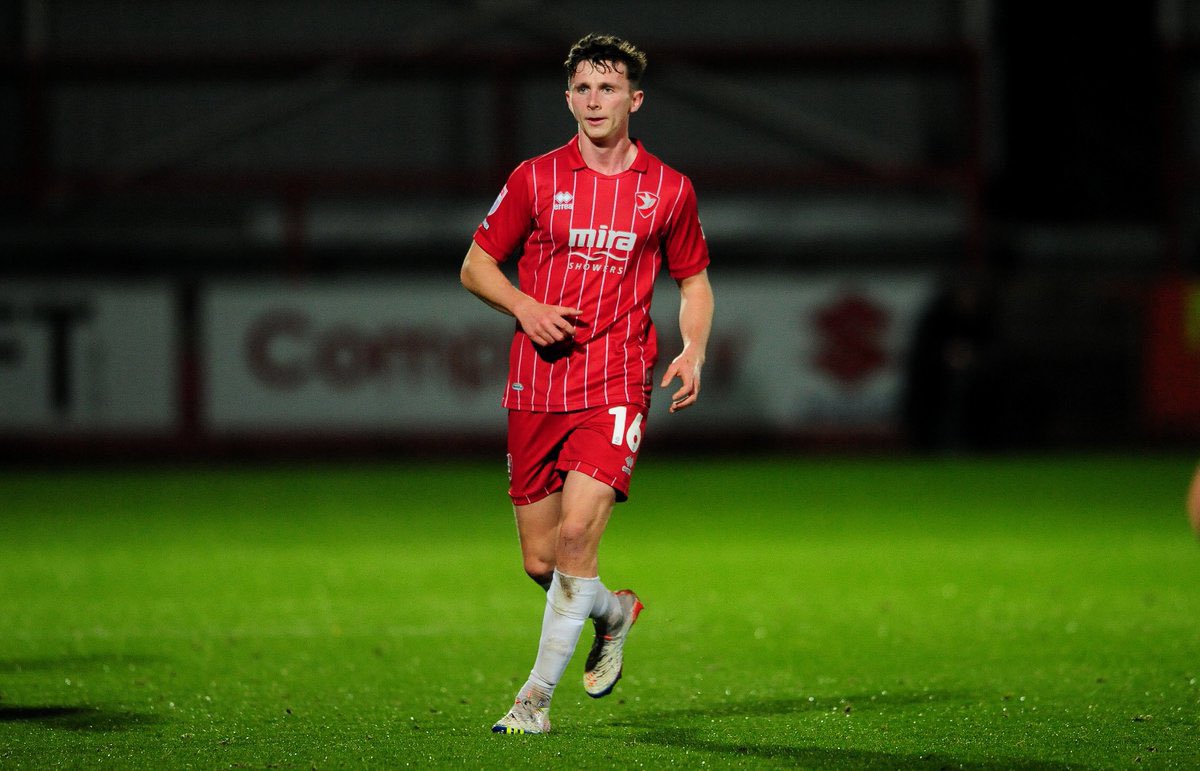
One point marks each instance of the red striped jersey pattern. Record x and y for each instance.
(594, 242)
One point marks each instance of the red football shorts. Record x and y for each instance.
(543, 446)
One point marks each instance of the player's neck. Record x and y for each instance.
(608, 159)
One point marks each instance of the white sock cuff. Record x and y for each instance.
(558, 572)
(572, 596)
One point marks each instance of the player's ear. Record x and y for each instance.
(637, 100)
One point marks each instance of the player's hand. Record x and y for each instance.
(546, 324)
(686, 367)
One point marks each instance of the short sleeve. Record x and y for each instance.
(510, 220)
(684, 247)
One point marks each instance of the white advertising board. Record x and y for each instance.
(82, 356)
(789, 353)
(378, 356)
(803, 353)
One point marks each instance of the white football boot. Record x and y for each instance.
(606, 658)
(530, 714)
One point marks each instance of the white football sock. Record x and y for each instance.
(568, 604)
(604, 604)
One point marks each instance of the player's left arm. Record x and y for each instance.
(695, 323)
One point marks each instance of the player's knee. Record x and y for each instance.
(540, 571)
(574, 535)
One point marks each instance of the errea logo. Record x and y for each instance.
(563, 200)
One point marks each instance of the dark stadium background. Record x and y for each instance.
(927, 514)
(166, 164)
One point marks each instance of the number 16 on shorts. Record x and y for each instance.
(624, 430)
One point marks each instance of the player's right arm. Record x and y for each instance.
(544, 324)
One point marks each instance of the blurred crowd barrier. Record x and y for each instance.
(844, 359)
(412, 359)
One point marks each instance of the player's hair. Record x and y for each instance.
(603, 50)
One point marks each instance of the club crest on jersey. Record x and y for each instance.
(646, 203)
(563, 200)
(596, 249)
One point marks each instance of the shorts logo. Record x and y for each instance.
(628, 467)
(563, 200)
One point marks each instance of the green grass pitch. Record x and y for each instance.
(828, 613)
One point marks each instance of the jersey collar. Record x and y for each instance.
(641, 161)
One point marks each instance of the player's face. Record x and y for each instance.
(601, 99)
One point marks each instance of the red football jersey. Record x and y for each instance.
(594, 242)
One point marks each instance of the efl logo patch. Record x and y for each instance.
(495, 206)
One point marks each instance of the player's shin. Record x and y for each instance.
(569, 603)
